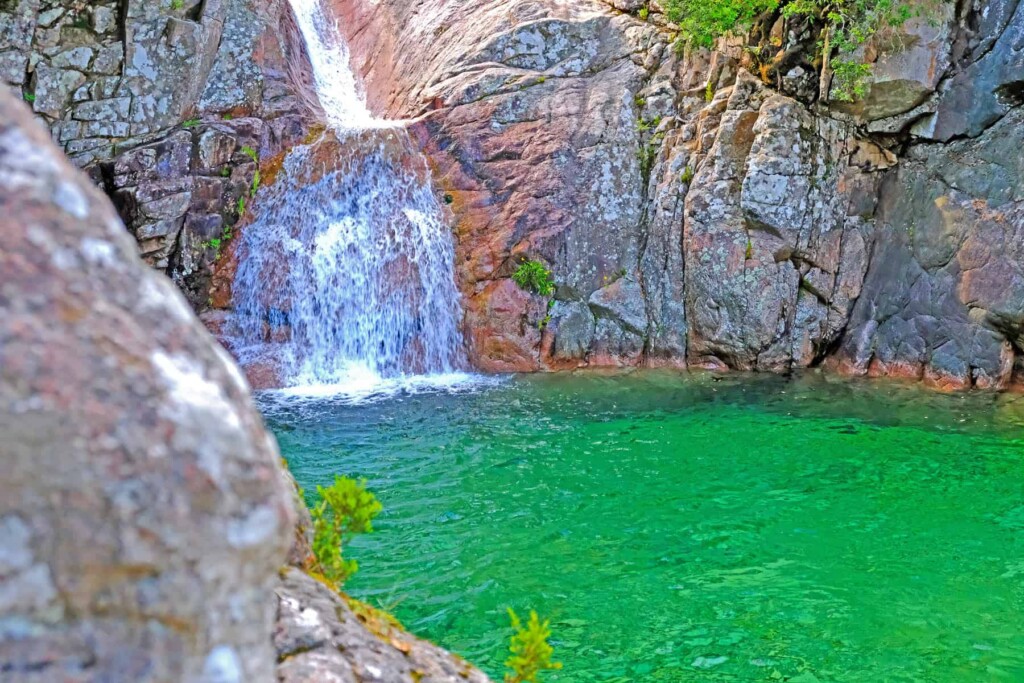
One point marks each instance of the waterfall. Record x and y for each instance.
(346, 274)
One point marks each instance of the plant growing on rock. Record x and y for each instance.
(848, 25)
(345, 509)
(531, 652)
(845, 25)
(532, 276)
(701, 22)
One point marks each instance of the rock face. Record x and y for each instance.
(692, 213)
(171, 107)
(143, 516)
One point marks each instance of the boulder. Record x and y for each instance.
(143, 513)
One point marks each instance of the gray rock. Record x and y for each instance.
(75, 58)
(52, 89)
(320, 638)
(572, 325)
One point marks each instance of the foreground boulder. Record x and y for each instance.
(143, 516)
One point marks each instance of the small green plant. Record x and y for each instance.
(850, 80)
(255, 183)
(644, 125)
(749, 254)
(532, 276)
(216, 243)
(345, 509)
(191, 123)
(709, 92)
(251, 153)
(29, 97)
(531, 652)
(225, 172)
(643, 13)
(177, 5)
(639, 101)
(241, 205)
(687, 175)
(227, 117)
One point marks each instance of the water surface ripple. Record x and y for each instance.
(685, 528)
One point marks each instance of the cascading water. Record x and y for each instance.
(346, 274)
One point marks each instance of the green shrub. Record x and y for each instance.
(643, 13)
(687, 175)
(532, 276)
(702, 21)
(848, 25)
(531, 652)
(345, 509)
(251, 153)
(191, 123)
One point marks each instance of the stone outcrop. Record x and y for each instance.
(171, 106)
(322, 637)
(145, 519)
(143, 516)
(704, 210)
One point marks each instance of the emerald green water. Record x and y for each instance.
(678, 528)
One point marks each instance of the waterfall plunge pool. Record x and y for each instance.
(689, 527)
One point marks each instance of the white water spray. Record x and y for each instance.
(346, 275)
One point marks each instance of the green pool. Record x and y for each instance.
(691, 528)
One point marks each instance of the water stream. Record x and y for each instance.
(346, 276)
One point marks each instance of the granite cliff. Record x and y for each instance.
(697, 209)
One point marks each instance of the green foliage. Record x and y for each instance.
(702, 21)
(345, 509)
(251, 153)
(848, 25)
(217, 242)
(177, 5)
(191, 123)
(643, 13)
(225, 172)
(532, 276)
(241, 206)
(531, 652)
(256, 178)
(687, 175)
(29, 97)
(709, 92)
(850, 79)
